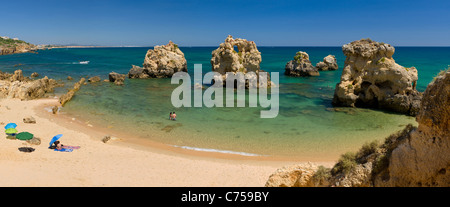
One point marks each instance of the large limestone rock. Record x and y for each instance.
(424, 158)
(17, 86)
(292, 176)
(226, 59)
(371, 78)
(161, 62)
(329, 63)
(300, 66)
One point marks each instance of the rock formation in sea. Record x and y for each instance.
(69, 95)
(371, 78)
(161, 62)
(246, 59)
(415, 156)
(34, 75)
(117, 78)
(17, 86)
(94, 79)
(329, 63)
(300, 66)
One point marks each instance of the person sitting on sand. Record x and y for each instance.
(170, 116)
(174, 116)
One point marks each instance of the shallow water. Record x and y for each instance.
(306, 127)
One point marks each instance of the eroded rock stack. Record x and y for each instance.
(371, 78)
(161, 62)
(247, 59)
(300, 66)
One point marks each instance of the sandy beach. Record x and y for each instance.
(115, 163)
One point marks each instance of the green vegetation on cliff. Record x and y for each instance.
(11, 42)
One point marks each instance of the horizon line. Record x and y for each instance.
(94, 46)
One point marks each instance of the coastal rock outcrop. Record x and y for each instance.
(69, 95)
(94, 79)
(414, 157)
(329, 63)
(17, 86)
(116, 78)
(161, 62)
(371, 78)
(247, 59)
(424, 158)
(12, 46)
(300, 66)
(292, 176)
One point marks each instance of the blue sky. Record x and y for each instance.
(208, 22)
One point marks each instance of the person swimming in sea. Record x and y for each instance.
(174, 116)
(170, 116)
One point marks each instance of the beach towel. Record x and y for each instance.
(70, 147)
(64, 150)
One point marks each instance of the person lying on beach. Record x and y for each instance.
(56, 145)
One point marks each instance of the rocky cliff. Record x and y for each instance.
(246, 59)
(10, 46)
(371, 78)
(415, 156)
(161, 62)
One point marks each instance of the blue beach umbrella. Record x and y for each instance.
(10, 125)
(54, 139)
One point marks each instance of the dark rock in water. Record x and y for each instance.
(137, 72)
(300, 66)
(69, 78)
(116, 78)
(329, 63)
(34, 75)
(94, 79)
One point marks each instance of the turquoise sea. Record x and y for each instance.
(305, 128)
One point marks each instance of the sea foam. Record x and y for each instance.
(216, 150)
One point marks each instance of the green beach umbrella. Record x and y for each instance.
(11, 131)
(24, 136)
